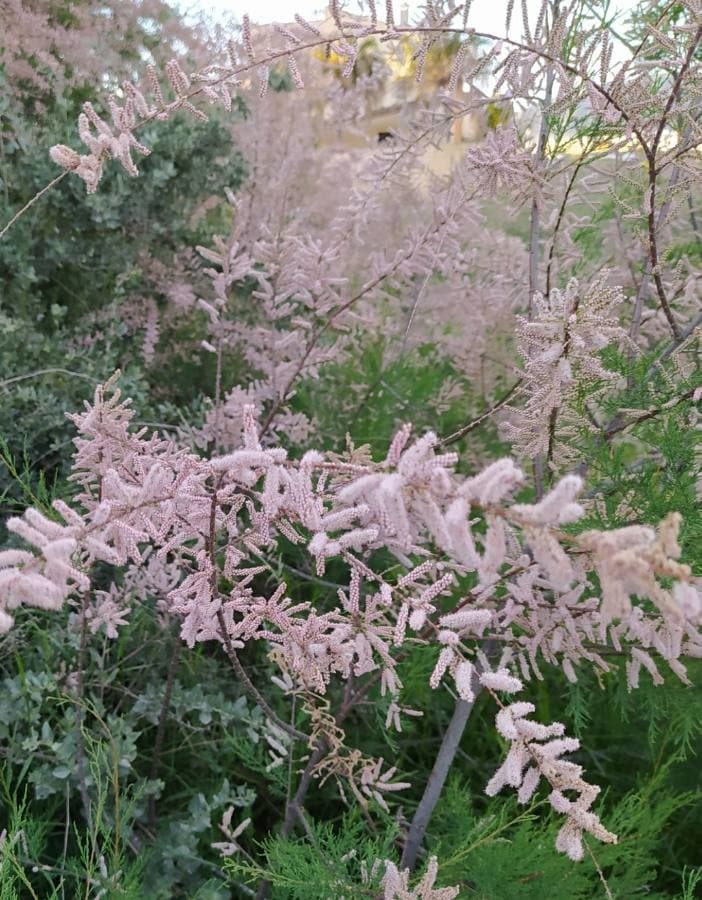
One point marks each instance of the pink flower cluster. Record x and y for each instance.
(204, 529)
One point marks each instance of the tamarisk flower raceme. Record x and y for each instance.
(107, 612)
(396, 884)
(628, 560)
(535, 753)
(454, 627)
(44, 579)
(558, 507)
(559, 345)
(500, 164)
(117, 140)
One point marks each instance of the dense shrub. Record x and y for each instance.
(283, 643)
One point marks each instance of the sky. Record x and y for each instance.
(486, 15)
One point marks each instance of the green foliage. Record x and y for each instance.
(328, 863)
(648, 467)
(42, 786)
(82, 252)
(368, 396)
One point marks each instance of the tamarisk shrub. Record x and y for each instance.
(426, 551)
(608, 111)
(219, 518)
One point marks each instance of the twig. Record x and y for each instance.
(559, 221)
(437, 778)
(474, 423)
(652, 183)
(608, 892)
(162, 722)
(80, 716)
(66, 832)
(687, 332)
(30, 203)
(534, 230)
(51, 371)
(643, 284)
(250, 687)
(618, 424)
(295, 805)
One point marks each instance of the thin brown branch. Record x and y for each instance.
(652, 183)
(618, 424)
(250, 687)
(80, 715)
(50, 371)
(686, 333)
(559, 221)
(30, 203)
(474, 423)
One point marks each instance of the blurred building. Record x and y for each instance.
(385, 76)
